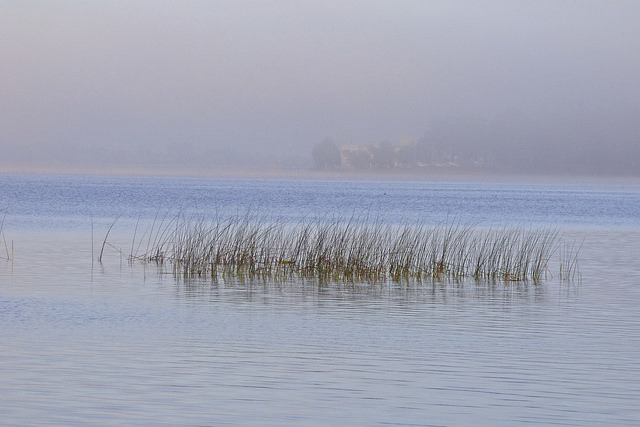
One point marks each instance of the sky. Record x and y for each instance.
(154, 84)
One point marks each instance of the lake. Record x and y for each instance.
(115, 343)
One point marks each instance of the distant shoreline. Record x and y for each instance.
(456, 174)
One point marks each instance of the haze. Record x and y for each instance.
(206, 86)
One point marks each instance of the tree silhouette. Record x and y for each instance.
(326, 155)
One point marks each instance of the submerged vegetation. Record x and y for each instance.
(351, 249)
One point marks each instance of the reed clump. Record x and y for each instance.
(350, 249)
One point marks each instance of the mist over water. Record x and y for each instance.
(453, 100)
(215, 87)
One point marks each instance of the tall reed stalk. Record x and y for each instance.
(3, 238)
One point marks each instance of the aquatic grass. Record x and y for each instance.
(569, 270)
(352, 248)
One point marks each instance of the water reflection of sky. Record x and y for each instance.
(65, 202)
(134, 344)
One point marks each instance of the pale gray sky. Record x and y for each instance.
(101, 79)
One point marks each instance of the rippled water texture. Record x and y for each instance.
(118, 344)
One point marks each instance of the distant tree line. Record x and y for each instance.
(562, 145)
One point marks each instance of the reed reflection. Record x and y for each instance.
(296, 291)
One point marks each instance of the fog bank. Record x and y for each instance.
(545, 86)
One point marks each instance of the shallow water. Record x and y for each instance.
(113, 343)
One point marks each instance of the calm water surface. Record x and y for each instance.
(114, 344)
